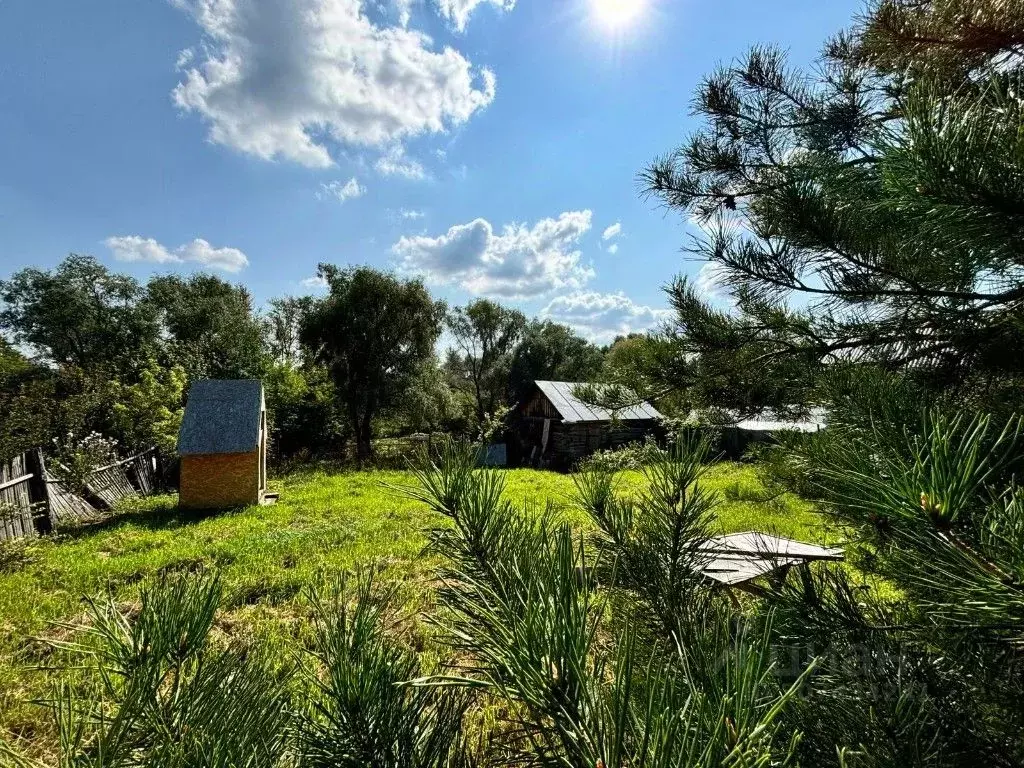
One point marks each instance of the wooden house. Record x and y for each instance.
(223, 445)
(551, 427)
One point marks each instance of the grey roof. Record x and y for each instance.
(813, 423)
(573, 410)
(741, 557)
(221, 417)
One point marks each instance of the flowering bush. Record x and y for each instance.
(76, 460)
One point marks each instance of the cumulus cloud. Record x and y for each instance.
(185, 58)
(199, 251)
(518, 262)
(613, 231)
(396, 163)
(404, 10)
(341, 191)
(316, 282)
(603, 316)
(459, 11)
(613, 248)
(710, 282)
(281, 78)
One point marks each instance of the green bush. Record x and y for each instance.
(635, 455)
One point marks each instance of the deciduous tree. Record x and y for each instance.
(553, 352)
(80, 314)
(373, 331)
(212, 330)
(486, 334)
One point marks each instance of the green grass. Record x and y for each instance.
(268, 555)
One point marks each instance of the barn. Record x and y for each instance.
(223, 445)
(551, 427)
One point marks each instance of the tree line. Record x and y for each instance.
(90, 350)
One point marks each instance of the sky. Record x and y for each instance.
(490, 147)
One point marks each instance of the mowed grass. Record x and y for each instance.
(267, 557)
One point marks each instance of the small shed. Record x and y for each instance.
(223, 445)
(739, 436)
(551, 427)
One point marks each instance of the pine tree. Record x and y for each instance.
(870, 212)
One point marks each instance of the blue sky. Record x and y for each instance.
(490, 146)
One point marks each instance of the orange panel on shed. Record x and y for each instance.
(220, 480)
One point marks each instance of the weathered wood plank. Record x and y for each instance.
(15, 501)
(22, 480)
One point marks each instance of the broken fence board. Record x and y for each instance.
(16, 506)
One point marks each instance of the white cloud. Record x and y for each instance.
(185, 58)
(396, 163)
(710, 282)
(411, 215)
(459, 11)
(603, 316)
(520, 261)
(281, 78)
(613, 231)
(316, 282)
(136, 248)
(613, 248)
(404, 10)
(199, 251)
(341, 191)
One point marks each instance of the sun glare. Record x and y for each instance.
(615, 14)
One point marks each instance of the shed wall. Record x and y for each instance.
(538, 406)
(572, 442)
(220, 480)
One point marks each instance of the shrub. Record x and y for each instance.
(636, 455)
(75, 460)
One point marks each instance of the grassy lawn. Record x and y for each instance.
(268, 555)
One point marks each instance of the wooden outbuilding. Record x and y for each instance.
(551, 427)
(223, 445)
(738, 437)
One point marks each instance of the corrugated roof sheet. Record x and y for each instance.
(741, 557)
(573, 410)
(814, 423)
(221, 417)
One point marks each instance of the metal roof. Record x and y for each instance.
(573, 410)
(741, 557)
(221, 416)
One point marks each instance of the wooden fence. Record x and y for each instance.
(19, 497)
(34, 502)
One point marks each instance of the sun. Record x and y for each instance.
(615, 14)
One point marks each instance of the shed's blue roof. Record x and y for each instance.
(221, 417)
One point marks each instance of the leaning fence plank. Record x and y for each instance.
(66, 506)
(39, 492)
(15, 500)
(110, 485)
(141, 472)
(16, 481)
(32, 501)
